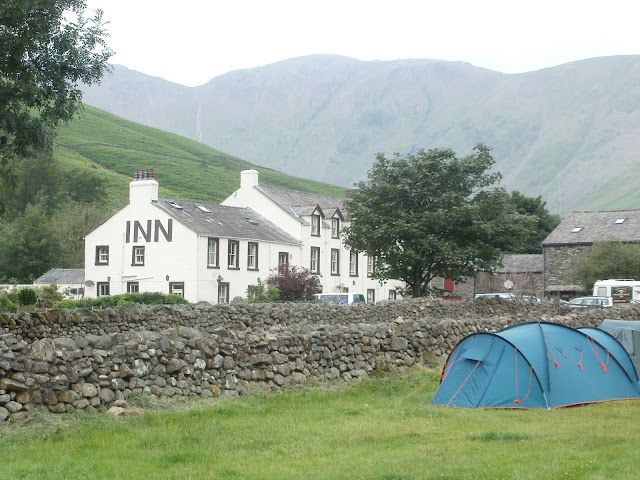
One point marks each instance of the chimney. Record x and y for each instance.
(143, 188)
(249, 178)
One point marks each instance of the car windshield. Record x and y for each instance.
(338, 299)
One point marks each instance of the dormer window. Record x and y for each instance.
(576, 229)
(335, 227)
(620, 220)
(315, 225)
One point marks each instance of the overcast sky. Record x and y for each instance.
(192, 41)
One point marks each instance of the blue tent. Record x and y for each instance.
(537, 365)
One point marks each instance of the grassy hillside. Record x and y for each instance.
(115, 148)
(570, 133)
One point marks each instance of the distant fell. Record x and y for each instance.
(570, 133)
(115, 148)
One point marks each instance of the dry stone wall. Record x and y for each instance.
(85, 359)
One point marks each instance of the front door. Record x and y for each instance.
(223, 292)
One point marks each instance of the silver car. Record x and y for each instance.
(591, 302)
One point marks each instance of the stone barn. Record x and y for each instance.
(575, 235)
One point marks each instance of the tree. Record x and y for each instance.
(433, 214)
(29, 246)
(47, 48)
(73, 221)
(609, 259)
(545, 221)
(293, 283)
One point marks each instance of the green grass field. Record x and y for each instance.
(115, 148)
(380, 428)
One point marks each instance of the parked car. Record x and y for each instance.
(591, 302)
(340, 298)
(495, 296)
(530, 298)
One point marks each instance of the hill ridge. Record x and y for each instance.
(569, 133)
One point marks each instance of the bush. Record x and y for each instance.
(27, 296)
(126, 299)
(293, 283)
(6, 305)
(50, 295)
(262, 293)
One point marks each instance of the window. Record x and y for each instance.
(283, 260)
(314, 266)
(392, 294)
(212, 253)
(137, 256)
(102, 255)
(620, 220)
(576, 229)
(371, 295)
(335, 227)
(315, 225)
(371, 262)
(252, 256)
(353, 264)
(133, 287)
(335, 261)
(223, 292)
(102, 289)
(233, 254)
(176, 288)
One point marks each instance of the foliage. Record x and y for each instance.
(27, 296)
(6, 303)
(37, 175)
(433, 214)
(50, 295)
(142, 298)
(263, 292)
(545, 221)
(29, 245)
(47, 48)
(73, 221)
(293, 283)
(608, 259)
(382, 428)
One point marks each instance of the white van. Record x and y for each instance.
(622, 290)
(340, 298)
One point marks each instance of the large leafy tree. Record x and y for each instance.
(607, 259)
(433, 214)
(47, 49)
(545, 222)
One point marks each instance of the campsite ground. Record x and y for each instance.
(380, 428)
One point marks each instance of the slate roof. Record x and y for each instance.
(223, 221)
(521, 263)
(596, 227)
(300, 204)
(62, 276)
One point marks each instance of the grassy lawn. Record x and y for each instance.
(381, 428)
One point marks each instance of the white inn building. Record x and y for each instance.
(214, 253)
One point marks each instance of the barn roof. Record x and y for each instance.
(62, 276)
(521, 263)
(590, 227)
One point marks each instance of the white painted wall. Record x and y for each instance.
(250, 196)
(182, 259)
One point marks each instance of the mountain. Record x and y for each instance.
(115, 148)
(570, 133)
